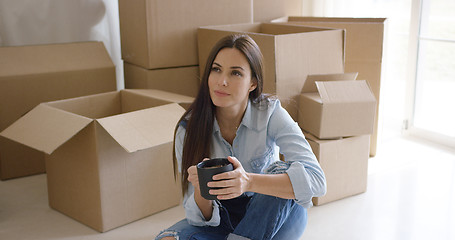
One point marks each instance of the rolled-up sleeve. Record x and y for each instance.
(192, 212)
(306, 175)
(194, 215)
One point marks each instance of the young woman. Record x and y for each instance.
(263, 197)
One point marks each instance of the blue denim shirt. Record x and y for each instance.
(263, 133)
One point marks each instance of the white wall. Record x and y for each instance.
(28, 22)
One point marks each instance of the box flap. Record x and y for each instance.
(163, 95)
(332, 19)
(142, 129)
(310, 86)
(45, 128)
(345, 91)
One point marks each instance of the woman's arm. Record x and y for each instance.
(301, 177)
(198, 212)
(206, 206)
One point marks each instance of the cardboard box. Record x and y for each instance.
(30, 75)
(181, 80)
(364, 50)
(336, 108)
(183, 100)
(162, 33)
(345, 164)
(108, 156)
(290, 53)
(267, 10)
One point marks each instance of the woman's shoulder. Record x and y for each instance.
(266, 103)
(261, 112)
(271, 110)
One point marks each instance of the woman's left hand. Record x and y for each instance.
(232, 183)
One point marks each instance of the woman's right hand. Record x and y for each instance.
(193, 178)
(204, 205)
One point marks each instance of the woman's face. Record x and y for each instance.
(230, 79)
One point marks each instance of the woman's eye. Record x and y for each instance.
(215, 69)
(237, 73)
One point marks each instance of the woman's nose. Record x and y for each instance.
(223, 80)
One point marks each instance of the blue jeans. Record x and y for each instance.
(259, 217)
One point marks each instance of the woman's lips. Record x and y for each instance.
(221, 93)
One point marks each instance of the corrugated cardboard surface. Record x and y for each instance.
(340, 109)
(181, 80)
(154, 32)
(73, 179)
(106, 172)
(345, 164)
(183, 100)
(30, 75)
(364, 51)
(290, 53)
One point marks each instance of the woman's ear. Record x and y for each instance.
(254, 84)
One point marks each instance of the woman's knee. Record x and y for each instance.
(167, 235)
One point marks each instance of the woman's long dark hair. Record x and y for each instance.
(200, 116)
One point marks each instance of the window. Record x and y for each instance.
(418, 87)
(432, 113)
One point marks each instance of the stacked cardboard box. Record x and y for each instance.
(157, 34)
(291, 53)
(108, 156)
(338, 113)
(345, 164)
(364, 51)
(30, 75)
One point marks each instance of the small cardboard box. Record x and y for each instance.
(181, 80)
(266, 10)
(345, 165)
(290, 53)
(339, 108)
(108, 156)
(30, 75)
(162, 33)
(364, 50)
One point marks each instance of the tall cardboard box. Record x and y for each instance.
(364, 50)
(336, 108)
(345, 165)
(267, 10)
(108, 156)
(181, 80)
(162, 33)
(290, 53)
(30, 75)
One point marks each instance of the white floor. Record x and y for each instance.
(411, 195)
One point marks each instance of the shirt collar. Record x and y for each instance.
(249, 120)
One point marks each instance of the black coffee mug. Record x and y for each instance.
(207, 169)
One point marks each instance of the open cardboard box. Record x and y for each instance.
(30, 75)
(108, 156)
(365, 50)
(181, 80)
(162, 33)
(290, 53)
(336, 105)
(345, 165)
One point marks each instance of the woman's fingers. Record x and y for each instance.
(226, 192)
